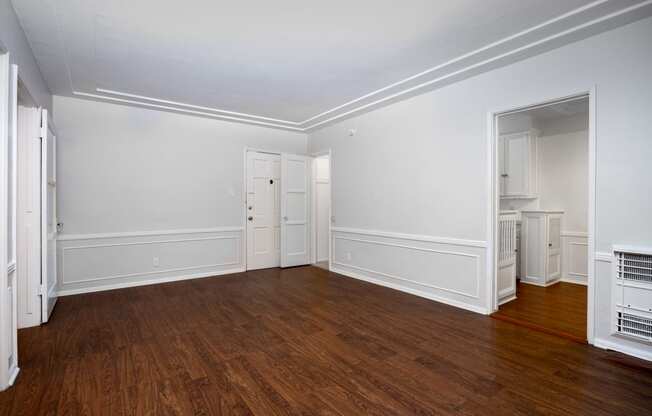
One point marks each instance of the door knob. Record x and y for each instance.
(250, 218)
(285, 218)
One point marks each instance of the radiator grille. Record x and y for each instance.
(634, 267)
(636, 326)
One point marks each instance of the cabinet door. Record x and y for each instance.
(533, 237)
(517, 162)
(553, 258)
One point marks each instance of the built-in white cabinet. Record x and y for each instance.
(517, 160)
(541, 247)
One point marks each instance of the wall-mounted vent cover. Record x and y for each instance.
(635, 326)
(632, 292)
(634, 267)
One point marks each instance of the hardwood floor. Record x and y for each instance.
(559, 309)
(303, 341)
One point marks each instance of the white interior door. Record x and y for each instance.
(48, 218)
(295, 210)
(263, 210)
(29, 216)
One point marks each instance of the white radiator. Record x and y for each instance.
(507, 238)
(507, 256)
(632, 293)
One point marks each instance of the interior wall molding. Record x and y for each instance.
(426, 295)
(603, 257)
(402, 282)
(178, 109)
(413, 237)
(72, 237)
(96, 262)
(575, 234)
(566, 28)
(65, 250)
(122, 285)
(196, 107)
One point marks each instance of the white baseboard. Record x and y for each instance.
(451, 302)
(509, 299)
(168, 279)
(642, 353)
(575, 281)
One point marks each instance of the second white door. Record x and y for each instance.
(295, 210)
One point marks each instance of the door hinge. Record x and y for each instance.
(43, 290)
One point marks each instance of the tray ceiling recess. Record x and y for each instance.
(292, 64)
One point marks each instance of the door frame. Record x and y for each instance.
(7, 330)
(313, 225)
(493, 201)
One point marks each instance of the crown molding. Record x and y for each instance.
(574, 25)
(178, 109)
(474, 68)
(196, 107)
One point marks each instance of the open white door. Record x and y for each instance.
(295, 210)
(48, 218)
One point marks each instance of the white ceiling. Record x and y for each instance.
(285, 62)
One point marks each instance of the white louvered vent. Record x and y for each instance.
(635, 326)
(634, 267)
(633, 293)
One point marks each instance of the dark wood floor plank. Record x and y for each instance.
(304, 341)
(558, 309)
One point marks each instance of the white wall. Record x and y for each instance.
(141, 174)
(563, 162)
(419, 167)
(13, 38)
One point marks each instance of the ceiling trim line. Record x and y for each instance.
(460, 58)
(186, 111)
(197, 107)
(479, 64)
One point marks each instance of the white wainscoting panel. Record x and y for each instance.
(447, 270)
(94, 262)
(575, 257)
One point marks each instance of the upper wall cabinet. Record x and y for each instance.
(517, 159)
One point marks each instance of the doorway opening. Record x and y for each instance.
(543, 221)
(321, 202)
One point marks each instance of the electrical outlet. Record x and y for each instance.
(155, 262)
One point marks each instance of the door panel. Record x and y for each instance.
(554, 248)
(263, 210)
(517, 157)
(48, 218)
(295, 210)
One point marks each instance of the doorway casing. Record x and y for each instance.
(494, 197)
(313, 228)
